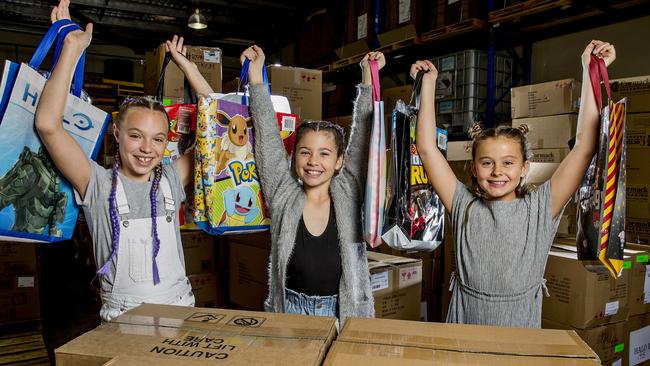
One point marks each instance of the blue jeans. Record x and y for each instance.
(299, 303)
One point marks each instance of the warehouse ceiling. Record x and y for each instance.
(143, 24)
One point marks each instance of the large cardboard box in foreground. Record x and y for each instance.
(581, 298)
(396, 285)
(385, 342)
(608, 341)
(546, 99)
(551, 132)
(207, 59)
(303, 88)
(176, 335)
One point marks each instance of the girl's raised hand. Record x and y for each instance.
(600, 49)
(61, 11)
(430, 71)
(177, 50)
(257, 57)
(366, 78)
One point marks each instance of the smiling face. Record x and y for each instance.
(142, 138)
(238, 131)
(499, 167)
(316, 158)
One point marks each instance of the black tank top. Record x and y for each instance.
(315, 264)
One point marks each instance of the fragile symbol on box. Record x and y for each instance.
(205, 318)
(247, 321)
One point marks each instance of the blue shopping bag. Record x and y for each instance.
(36, 203)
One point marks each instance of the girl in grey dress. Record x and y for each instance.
(502, 231)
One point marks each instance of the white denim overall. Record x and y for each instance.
(133, 283)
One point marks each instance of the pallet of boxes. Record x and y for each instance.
(637, 225)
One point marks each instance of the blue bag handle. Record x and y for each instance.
(243, 79)
(78, 76)
(46, 43)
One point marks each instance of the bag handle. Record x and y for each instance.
(46, 43)
(243, 79)
(78, 77)
(417, 85)
(374, 76)
(598, 70)
(189, 96)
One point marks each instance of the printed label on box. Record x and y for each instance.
(404, 11)
(362, 26)
(409, 276)
(212, 56)
(26, 281)
(618, 362)
(639, 346)
(611, 308)
(379, 281)
(646, 286)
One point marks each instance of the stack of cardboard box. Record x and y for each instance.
(550, 111)
(207, 59)
(638, 323)
(584, 297)
(19, 290)
(637, 90)
(205, 265)
(249, 263)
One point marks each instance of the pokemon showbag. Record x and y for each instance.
(601, 210)
(36, 203)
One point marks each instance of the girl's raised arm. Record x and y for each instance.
(566, 179)
(67, 155)
(442, 178)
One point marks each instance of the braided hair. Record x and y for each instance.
(478, 134)
(151, 104)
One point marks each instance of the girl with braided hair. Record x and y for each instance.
(502, 230)
(132, 208)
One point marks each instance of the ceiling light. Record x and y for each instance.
(197, 20)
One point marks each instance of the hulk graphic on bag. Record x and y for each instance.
(32, 187)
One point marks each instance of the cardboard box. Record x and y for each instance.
(608, 341)
(208, 289)
(637, 120)
(580, 298)
(639, 278)
(637, 169)
(549, 155)
(198, 249)
(459, 150)
(176, 335)
(638, 340)
(249, 276)
(546, 99)
(207, 59)
(637, 137)
(260, 239)
(637, 203)
(303, 88)
(396, 286)
(19, 292)
(637, 230)
(551, 132)
(399, 342)
(637, 91)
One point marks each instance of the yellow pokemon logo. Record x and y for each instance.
(243, 173)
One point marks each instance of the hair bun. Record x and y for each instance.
(475, 130)
(524, 129)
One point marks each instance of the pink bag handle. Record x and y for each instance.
(598, 69)
(374, 76)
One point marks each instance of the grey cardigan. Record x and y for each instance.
(285, 198)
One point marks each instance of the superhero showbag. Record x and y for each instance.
(36, 203)
(601, 211)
